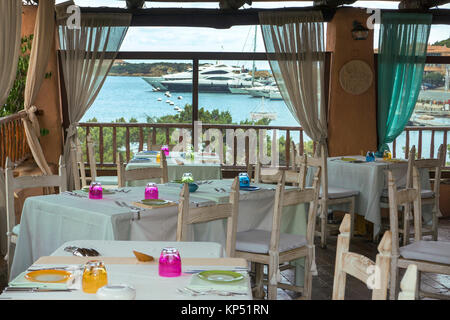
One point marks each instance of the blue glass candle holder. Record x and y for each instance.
(244, 180)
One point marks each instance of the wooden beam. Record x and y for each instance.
(224, 19)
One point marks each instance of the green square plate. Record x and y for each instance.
(220, 276)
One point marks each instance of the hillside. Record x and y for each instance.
(443, 43)
(157, 69)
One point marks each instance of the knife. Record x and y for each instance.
(34, 289)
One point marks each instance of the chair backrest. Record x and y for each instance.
(229, 211)
(374, 274)
(294, 196)
(142, 173)
(77, 163)
(435, 164)
(28, 182)
(407, 197)
(304, 161)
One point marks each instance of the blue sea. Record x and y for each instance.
(132, 97)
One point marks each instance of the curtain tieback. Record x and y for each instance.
(72, 130)
(31, 115)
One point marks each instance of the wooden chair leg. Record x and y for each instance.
(393, 289)
(435, 221)
(323, 226)
(307, 282)
(272, 285)
(258, 290)
(352, 215)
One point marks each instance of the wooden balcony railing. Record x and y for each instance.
(433, 136)
(143, 135)
(140, 136)
(13, 142)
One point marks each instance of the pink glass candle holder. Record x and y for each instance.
(169, 263)
(95, 191)
(165, 148)
(151, 191)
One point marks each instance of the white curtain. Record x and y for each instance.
(296, 47)
(87, 55)
(43, 40)
(10, 29)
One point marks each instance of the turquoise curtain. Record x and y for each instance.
(401, 60)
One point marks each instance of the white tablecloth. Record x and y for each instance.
(370, 178)
(49, 221)
(143, 277)
(201, 171)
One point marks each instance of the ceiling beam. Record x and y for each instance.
(224, 19)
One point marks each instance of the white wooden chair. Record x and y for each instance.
(141, 173)
(329, 195)
(25, 182)
(374, 274)
(230, 211)
(429, 256)
(78, 168)
(273, 248)
(428, 196)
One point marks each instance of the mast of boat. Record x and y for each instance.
(254, 50)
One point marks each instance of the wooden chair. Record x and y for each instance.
(432, 196)
(429, 256)
(25, 182)
(273, 248)
(428, 196)
(329, 195)
(374, 274)
(141, 173)
(384, 200)
(77, 162)
(188, 216)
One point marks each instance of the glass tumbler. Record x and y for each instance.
(151, 191)
(165, 148)
(95, 191)
(94, 276)
(169, 263)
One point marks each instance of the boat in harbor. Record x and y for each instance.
(212, 78)
(261, 113)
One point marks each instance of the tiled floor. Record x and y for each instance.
(325, 258)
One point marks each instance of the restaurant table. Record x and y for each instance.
(49, 221)
(370, 179)
(123, 268)
(202, 167)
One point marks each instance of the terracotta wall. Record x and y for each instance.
(352, 118)
(48, 99)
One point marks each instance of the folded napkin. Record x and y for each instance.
(73, 282)
(199, 284)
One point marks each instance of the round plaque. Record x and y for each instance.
(356, 77)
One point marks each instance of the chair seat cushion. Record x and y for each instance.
(257, 241)
(432, 251)
(16, 230)
(425, 193)
(337, 192)
(107, 180)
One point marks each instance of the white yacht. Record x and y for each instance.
(212, 78)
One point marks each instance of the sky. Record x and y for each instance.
(235, 39)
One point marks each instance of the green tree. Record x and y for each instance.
(15, 101)
(434, 78)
